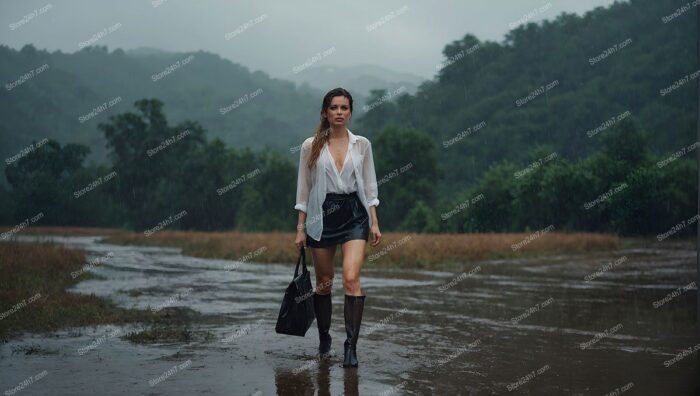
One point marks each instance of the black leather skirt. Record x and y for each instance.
(344, 219)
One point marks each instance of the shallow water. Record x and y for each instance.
(520, 326)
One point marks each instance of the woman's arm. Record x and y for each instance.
(301, 221)
(373, 213)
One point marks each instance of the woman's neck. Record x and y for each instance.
(338, 132)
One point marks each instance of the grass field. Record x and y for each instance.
(404, 250)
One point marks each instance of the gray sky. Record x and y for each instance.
(406, 36)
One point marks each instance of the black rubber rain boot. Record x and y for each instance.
(323, 307)
(354, 306)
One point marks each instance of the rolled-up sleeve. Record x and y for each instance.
(370, 177)
(303, 180)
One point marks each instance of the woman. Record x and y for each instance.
(337, 186)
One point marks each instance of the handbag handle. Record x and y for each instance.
(302, 255)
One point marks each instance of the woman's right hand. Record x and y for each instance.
(300, 239)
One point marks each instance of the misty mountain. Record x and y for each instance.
(358, 79)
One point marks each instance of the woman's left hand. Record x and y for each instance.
(377, 235)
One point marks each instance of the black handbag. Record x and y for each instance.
(297, 311)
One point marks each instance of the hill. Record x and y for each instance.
(558, 85)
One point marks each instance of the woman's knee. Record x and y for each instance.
(324, 284)
(351, 283)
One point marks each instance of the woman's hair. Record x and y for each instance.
(322, 132)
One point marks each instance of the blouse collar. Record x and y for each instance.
(351, 136)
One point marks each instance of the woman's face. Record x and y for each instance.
(338, 112)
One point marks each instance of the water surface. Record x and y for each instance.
(518, 326)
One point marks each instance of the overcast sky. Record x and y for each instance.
(276, 37)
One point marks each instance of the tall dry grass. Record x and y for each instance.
(55, 230)
(395, 250)
(408, 250)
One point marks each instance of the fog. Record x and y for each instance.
(405, 36)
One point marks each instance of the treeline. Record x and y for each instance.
(158, 176)
(161, 176)
(622, 188)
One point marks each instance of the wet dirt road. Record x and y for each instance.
(620, 321)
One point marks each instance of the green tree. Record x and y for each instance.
(420, 219)
(267, 195)
(147, 154)
(489, 204)
(43, 181)
(406, 168)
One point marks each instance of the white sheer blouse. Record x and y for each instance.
(357, 174)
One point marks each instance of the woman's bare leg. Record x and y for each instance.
(323, 268)
(353, 257)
